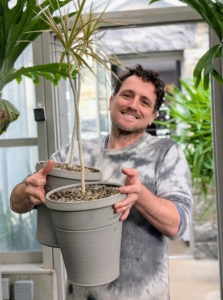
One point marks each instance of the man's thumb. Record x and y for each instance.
(48, 167)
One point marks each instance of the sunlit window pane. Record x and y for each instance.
(22, 96)
(17, 232)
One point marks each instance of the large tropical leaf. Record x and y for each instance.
(19, 26)
(8, 114)
(212, 13)
(52, 72)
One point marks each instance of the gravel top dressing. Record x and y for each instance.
(93, 192)
(75, 168)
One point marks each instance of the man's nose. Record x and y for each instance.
(133, 104)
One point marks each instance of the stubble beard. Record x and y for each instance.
(123, 131)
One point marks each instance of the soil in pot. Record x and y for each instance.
(93, 192)
(74, 168)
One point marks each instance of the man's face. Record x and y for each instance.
(132, 108)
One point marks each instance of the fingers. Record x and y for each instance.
(130, 189)
(125, 215)
(48, 167)
(35, 181)
(36, 195)
(130, 172)
(128, 202)
(36, 201)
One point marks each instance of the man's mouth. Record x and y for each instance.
(130, 116)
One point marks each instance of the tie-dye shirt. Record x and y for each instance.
(164, 171)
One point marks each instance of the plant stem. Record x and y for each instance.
(77, 122)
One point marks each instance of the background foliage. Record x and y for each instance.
(190, 125)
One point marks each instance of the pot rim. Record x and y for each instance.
(70, 174)
(84, 205)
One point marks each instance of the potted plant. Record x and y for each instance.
(17, 24)
(93, 223)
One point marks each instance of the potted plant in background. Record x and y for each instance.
(88, 231)
(190, 125)
(17, 24)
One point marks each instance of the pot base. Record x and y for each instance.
(91, 257)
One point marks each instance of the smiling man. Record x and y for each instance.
(156, 179)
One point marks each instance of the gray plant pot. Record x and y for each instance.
(89, 235)
(46, 233)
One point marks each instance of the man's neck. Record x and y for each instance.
(118, 141)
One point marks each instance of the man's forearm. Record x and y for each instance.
(160, 212)
(20, 201)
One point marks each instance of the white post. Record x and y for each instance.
(0, 281)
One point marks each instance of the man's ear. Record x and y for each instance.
(155, 114)
(110, 101)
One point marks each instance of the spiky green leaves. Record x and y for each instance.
(77, 36)
(8, 114)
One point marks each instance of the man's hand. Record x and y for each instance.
(36, 182)
(133, 187)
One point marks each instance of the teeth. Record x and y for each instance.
(130, 116)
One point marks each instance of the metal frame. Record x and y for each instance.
(217, 123)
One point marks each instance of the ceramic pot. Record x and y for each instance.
(89, 235)
(46, 233)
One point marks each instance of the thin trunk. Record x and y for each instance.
(75, 123)
(76, 103)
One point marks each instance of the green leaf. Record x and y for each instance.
(21, 23)
(52, 72)
(217, 76)
(205, 62)
(153, 1)
(8, 114)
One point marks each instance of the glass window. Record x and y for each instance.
(94, 113)
(18, 231)
(125, 5)
(22, 96)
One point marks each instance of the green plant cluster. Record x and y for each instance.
(190, 125)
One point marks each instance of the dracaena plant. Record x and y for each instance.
(78, 41)
(190, 125)
(17, 25)
(212, 13)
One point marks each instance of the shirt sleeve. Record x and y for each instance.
(174, 183)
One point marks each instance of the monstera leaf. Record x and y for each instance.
(8, 114)
(212, 13)
(20, 25)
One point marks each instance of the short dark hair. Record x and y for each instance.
(147, 75)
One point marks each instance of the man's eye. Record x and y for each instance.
(127, 95)
(145, 102)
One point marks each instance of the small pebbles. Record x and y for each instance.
(93, 192)
(75, 168)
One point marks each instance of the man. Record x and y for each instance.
(157, 183)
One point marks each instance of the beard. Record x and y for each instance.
(126, 131)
